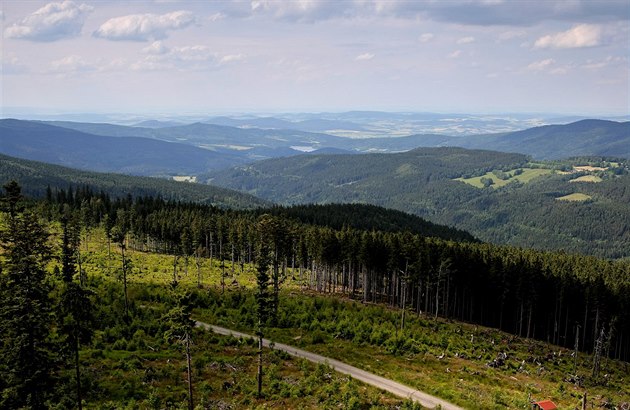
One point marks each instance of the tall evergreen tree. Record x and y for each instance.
(180, 329)
(75, 308)
(26, 369)
(264, 258)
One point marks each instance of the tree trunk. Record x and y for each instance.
(77, 369)
(189, 368)
(260, 364)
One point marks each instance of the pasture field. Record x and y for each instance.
(587, 178)
(527, 175)
(575, 197)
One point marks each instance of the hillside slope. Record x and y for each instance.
(132, 155)
(586, 137)
(422, 182)
(35, 177)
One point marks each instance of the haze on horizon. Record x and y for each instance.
(264, 55)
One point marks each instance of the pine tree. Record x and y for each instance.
(26, 369)
(75, 308)
(264, 257)
(180, 329)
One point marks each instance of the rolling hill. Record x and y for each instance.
(423, 182)
(131, 155)
(35, 177)
(262, 138)
(585, 137)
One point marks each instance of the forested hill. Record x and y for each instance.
(128, 155)
(586, 137)
(366, 217)
(370, 178)
(538, 208)
(36, 177)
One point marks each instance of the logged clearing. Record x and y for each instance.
(576, 197)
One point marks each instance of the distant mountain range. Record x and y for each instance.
(163, 149)
(132, 155)
(585, 137)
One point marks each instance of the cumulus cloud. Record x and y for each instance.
(541, 65)
(305, 10)
(185, 58)
(484, 13)
(583, 35)
(12, 65)
(466, 40)
(156, 48)
(144, 27)
(52, 22)
(364, 57)
(512, 34)
(69, 65)
(230, 58)
(426, 37)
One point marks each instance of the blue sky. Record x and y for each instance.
(262, 56)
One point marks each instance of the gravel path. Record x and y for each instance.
(391, 386)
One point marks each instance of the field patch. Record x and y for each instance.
(576, 197)
(587, 178)
(524, 177)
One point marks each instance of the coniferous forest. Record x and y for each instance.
(572, 301)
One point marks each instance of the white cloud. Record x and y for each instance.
(216, 16)
(541, 65)
(559, 70)
(466, 40)
(455, 54)
(144, 27)
(52, 22)
(69, 65)
(12, 65)
(512, 34)
(231, 58)
(364, 57)
(608, 61)
(583, 35)
(186, 58)
(426, 37)
(156, 48)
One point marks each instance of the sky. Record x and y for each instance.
(168, 56)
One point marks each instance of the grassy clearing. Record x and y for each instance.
(575, 197)
(587, 178)
(527, 175)
(447, 359)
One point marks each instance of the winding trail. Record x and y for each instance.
(391, 386)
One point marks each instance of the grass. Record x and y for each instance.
(447, 364)
(448, 359)
(587, 178)
(527, 175)
(575, 197)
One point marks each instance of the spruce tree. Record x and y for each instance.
(264, 257)
(180, 329)
(75, 309)
(26, 369)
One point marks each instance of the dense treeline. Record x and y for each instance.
(365, 217)
(36, 176)
(422, 182)
(554, 297)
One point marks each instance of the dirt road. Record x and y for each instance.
(391, 386)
